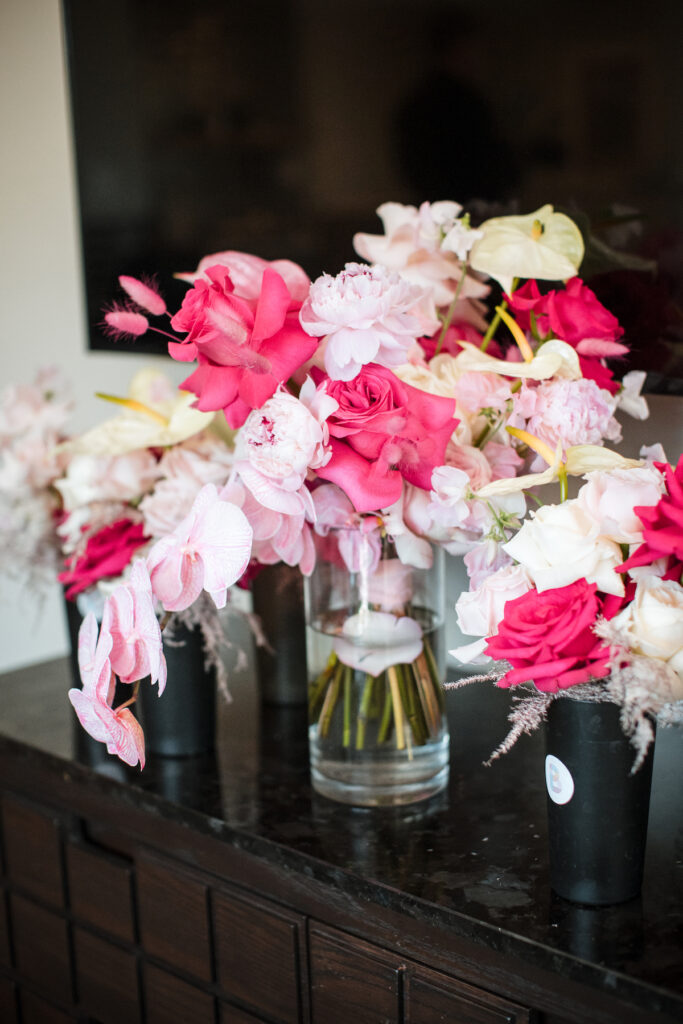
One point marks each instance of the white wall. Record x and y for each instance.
(40, 277)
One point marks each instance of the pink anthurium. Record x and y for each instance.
(130, 619)
(118, 728)
(209, 550)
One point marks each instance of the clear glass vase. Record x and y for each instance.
(375, 649)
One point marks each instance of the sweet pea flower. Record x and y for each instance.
(374, 641)
(629, 398)
(130, 619)
(413, 245)
(560, 544)
(484, 559)
(209, 550)
(543, 245)
(118, 728)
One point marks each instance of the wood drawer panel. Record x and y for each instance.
(100, 891)
(41, 948)
(35, 1010)
(32, 850)
(106, 980)
(352, 981)
(433, 998)
(168, 1000)
(233, 1015)
(173, 917)
(258, 959)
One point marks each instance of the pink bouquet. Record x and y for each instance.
(388, 397)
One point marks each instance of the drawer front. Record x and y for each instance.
(41, 948)
(100, 891)
(32, 851)
(433, 998)
(259, 953)
(352, 982)
(169, 1000)
(106, 980)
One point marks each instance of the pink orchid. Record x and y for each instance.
(119, 729)
(209, 550)
(130, 619)
(245, 347)
(282, 533)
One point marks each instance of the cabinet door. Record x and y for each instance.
(434, 998)
(352, 982)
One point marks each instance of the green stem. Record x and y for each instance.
(451, 310)
(436, 676)
(493, 326)
(316, 690)
(364, 711)
(348, 678)
(330, 701)
(383, 733)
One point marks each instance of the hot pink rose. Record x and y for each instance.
(548, 638)
(573, 314)
(245, 347)
(384, 431)
(107, 553)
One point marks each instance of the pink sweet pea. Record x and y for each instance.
(119, 729)
(573, 314)
(209, 550)
(384, 431)
(130, 619)
(245, 346)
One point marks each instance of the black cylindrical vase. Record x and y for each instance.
(597, 809)
(278, 594)
(182, 722)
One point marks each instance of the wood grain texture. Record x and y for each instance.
(32, 851)
(352, 981)
(169, 1000)
(106, 980)
(434, 998)
(100, 891)
(41, 948)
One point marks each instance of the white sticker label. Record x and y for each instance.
(558, 780)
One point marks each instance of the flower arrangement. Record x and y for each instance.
(388, 400)
(590, 602)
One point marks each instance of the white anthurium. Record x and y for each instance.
(555, 358)
(579, 459)
(154, 415)
(374, 641)
(543, 245)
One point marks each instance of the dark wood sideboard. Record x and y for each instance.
(220, 889)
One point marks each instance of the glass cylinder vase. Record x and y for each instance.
(375, 650)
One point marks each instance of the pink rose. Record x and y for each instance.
(107, 553)
(573, 314)
(245, 347)
(384, 431)
(609, 499)
(475, 391)
(548, 638)
(662, 525)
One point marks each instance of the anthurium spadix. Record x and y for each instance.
(543, 245)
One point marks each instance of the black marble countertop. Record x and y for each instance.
(475, 857)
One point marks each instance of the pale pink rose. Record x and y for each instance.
(209, 550)
(480, 611)
(561, 544)
(390, 585)
(484, 559)
(609, 498)
(374, 641)
(92, 478)
(475, 391)
(119, 729)
(504, 461)
(472, 461)
(365, 315)
(131, 620)
(573, 412)
(246, 273)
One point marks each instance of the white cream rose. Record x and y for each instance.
(652, 623)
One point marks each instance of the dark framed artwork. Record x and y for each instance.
(278, 127)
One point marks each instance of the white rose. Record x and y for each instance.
(561, 544)
(653, 622)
